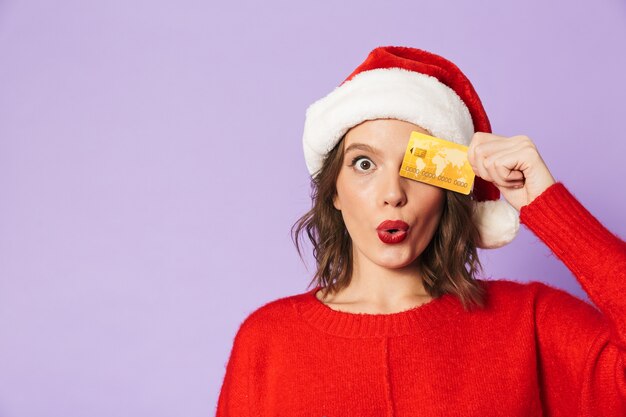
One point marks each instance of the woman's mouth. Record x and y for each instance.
(392, 231)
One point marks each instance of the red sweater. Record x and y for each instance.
(534, 351)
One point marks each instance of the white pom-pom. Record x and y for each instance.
(497, 222)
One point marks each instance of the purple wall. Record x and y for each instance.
(151, 168)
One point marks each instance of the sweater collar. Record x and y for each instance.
(434, 313)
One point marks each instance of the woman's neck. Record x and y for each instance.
(375, 289)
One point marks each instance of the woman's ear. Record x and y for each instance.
(336, 202)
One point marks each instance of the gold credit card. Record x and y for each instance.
(438, 162)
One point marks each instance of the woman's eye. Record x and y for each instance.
(362, 163)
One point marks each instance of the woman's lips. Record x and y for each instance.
(392, 231)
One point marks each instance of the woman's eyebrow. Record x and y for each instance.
(362, 147)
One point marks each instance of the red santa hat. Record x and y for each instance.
(422, 88)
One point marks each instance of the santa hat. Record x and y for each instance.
(422, 88)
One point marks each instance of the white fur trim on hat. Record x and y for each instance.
(497, 222)
(384, 93)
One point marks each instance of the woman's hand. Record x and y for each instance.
(511, 164)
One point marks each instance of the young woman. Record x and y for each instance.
(399, 323)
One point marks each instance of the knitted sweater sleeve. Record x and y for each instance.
(581, 348)
(233, 400)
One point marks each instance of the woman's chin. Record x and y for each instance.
(395, 260)
(390, 256)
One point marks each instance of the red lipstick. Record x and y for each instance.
(392, 231)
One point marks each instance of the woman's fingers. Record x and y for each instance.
(484, 155)
(513, 164)
(504, 168)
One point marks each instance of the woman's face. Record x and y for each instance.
(370, 191)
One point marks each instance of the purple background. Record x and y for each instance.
(151, 168)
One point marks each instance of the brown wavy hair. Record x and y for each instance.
(449, 262)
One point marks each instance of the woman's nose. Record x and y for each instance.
(393, 192)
